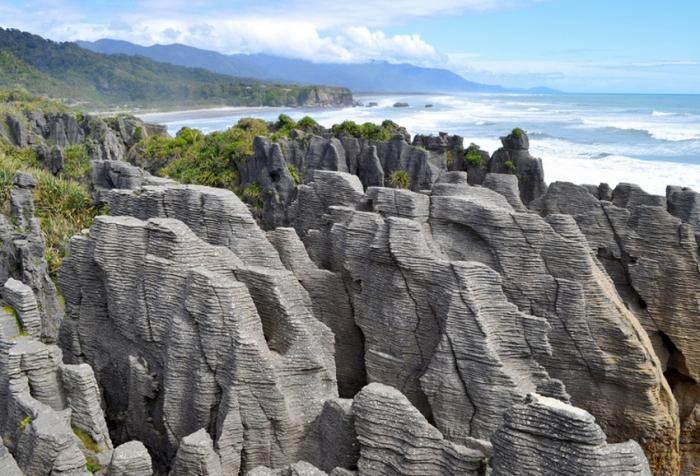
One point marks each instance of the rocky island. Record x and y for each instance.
(346, 301)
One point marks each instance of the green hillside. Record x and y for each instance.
(74, 74)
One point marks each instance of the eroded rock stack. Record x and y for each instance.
(452, 328)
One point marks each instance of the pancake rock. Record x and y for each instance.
(204, 338)
(514, 158)
(50, 414)
(395, 438)
(652, 257)
(130, 459)
(196, 457)
(437, 280)
(22, 258)
(545, 436)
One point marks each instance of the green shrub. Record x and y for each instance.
(252, 195)
(307, 124)
(400, 179)
(138, 133)
(473, 156)
(63, 206)
(76, 162)
(25, 421)
(86, 439)
(294, 173)
(91, 465)
(517, 133)
(509, 165)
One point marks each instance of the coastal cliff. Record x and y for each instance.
(373, 305)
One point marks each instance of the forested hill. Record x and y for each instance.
(77, 75)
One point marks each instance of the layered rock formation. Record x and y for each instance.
(22, 259)
(545, 436)
(49, 133)
(51, 418)
(424, 161)
(648, 246)
(506, 328)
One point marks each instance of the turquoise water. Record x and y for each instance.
(652, 140)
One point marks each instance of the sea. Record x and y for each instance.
(650, 140)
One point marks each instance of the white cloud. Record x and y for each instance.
(310, 29)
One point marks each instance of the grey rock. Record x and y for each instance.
(684, 203)
(208, 340)
(196, 457)
(56, 161)
(47, 446)
(506, 185)
(109, 174)
(333, 441)
(21, 297)
(8, 465)
(396, 439)
(300, 468)
(544, 436)
(22, 256)
(514, 158)
(18, 134)
(331, 305)
(417, 288)
(652, 258)
(130, 459)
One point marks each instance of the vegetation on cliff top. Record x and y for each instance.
(63, 204)
(65, 70)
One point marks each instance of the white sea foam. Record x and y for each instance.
(578, 141)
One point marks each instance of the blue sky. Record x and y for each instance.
(573, 45)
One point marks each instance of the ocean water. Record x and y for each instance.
(651, 140)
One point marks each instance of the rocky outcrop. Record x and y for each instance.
(548, 437)
(196, 457)
(652, 257)
(445, 317)
(204, 337)
(130, 459)
(434, 277)
(22, 258)
(320, 96)
(50, 414)
(514, 158)
(396, 439)
(8, 465)
(49, 133)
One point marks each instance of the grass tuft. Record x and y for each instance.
(400, 179)
(86, 439)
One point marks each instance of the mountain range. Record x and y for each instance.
(374, 76)
(97, 81)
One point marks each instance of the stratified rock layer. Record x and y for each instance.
(203, 340)
(396, 439)
(458, 294)
(544, 436)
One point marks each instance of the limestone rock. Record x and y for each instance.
(21, 298)
(514, 158)
(22, 258)
(196, 457)
(652, 259)
(547, 437)
(8, 465)
(130, 459)
(419, 280)
(203, 339)
(396, 439)
(333, 441)
(300, 468)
